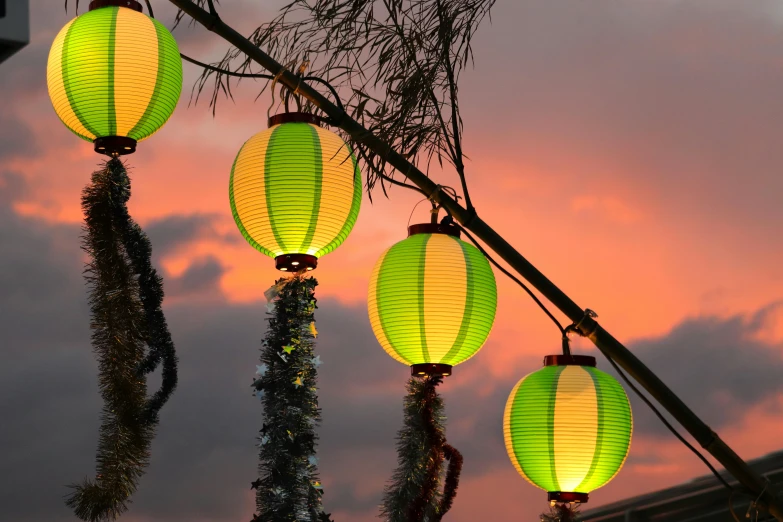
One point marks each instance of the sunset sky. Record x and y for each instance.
(631, 149)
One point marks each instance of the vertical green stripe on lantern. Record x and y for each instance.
(576, 405)
(398, 299)
(356, 203)
(376, 318)
(550, 427)
(144, 127)
(600, 421)
(317, 179)
(616, 427)
(509, 420)
(291, 179)
(467, 314)
(79, 54)
(168, 85)
(420, 295)
(111, 110)
(271, 198)
(531, 424)
(235, 211)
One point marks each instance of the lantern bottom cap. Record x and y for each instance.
(115, 145)
(431, 369)
(296, 262)
(567, 496)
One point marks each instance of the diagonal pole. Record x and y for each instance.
(609, 346)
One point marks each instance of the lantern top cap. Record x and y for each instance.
(569, 360)
(433, 228)
(294, 117)
(130, 4)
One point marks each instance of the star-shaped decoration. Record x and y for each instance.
(313, 330)
(313, 460)
(259, 394)
(324, 517)
(316, 361)
(290, 435)
(264, 440)
(317, 485)
(261, 369)
(278, 491)
(270, 307)
(255, 484)
(288, 349)
(263, 429)
(282, 356)
(298, 382)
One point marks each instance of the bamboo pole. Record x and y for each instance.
(590, 328)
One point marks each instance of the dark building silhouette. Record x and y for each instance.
(14, 27)
(703, 499)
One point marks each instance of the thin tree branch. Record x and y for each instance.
(455, 118)
(225, 71)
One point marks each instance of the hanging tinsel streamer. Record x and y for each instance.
(130, 338)
(562, 512)
(413, 495)
(288, 488)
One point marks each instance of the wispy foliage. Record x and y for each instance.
(396, 63)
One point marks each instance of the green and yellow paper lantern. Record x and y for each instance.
(568, 427)
(114, 75)
(295, 191)
(432, 299)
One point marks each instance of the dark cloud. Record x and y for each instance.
(718, 366)
(202, 276)
(173, 232)
(13, 187)
(16, 137)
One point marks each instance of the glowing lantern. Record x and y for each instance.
(295, 191)
(114, 75)
(432, 299)
(568, 427)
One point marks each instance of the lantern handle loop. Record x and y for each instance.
(566, 343)
(274, 83)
